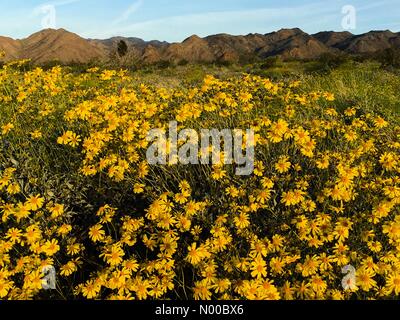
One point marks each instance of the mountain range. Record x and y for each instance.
(66, 47)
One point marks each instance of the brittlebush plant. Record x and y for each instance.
(78, 194)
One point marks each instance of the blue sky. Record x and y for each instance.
(175, 20)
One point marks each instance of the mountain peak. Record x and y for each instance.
(332, 38)
(58, 45)
(192, 38)
(386, 33)
(50, 31)
(293, 31)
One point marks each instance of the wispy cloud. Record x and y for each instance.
(128, 12)
(174, 28)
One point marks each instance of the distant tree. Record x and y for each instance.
(332, 60)
(389, 57)
(271, 62)
(224, 63)
(164, 64)
(122, 48)
(183, 62)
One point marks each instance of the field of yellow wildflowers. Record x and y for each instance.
(77, 194)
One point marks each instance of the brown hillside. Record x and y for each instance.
(11, 47)
(370, 42)
(331, 38)
(193, 49)
(293, 44)
(66, 47)
(59, 45)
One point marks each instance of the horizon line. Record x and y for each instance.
(189, 36)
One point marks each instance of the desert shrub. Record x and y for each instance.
(183, 62)
(389, 57)
(271, 62)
